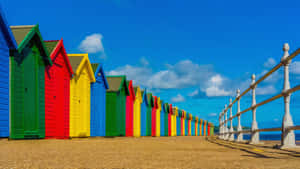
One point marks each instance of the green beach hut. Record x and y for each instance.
(116, 105)
(27, 83)
(149, 114)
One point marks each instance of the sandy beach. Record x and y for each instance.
(147, 152)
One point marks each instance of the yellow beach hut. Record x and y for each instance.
(174, 121)
(137, 112)
(200, 128)
(80, 95)
(158, 110)
(196, 126)
(204, 128)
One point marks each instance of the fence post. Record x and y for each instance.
(288, 136)
(231, 135)
(254, 127)
(239, 127)
(225, 124)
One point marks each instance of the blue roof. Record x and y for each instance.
(10, 40)
(100, 70)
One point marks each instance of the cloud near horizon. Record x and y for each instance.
(186, 74)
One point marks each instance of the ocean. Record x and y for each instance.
(270, 137)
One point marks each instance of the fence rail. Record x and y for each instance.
(287, 128)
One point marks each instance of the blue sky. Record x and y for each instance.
(193, 53)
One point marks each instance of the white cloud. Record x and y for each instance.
(139, 75)
(275, 120)
(178, 98)
(215, 87)
(194, 93)
(180, 75)
(144, 61)
(212, 114)
(295, 67)
(266, 90)
(92, 44)
(270, 63)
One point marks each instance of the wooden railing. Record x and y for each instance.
(287, 128)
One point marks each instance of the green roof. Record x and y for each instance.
(20, 32)
(75, 61)
(50, 45)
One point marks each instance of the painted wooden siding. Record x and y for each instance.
(80, 105)
(27, 96)
(57, 95)
(98, 107)
(4, 87)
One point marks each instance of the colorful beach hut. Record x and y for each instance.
(144, 108)
(208, 129)
(197, 126)
(137, 111)
(166, 112)
(170, 120)
(193, 126)
(189, 124)
(174, 121)
(129, 109)
(27, 83)
(153, 117)
(116, 105)
(150, 105)
(204, 128)
(7, 45)
(80, 95)
(158, 112)
(57, 91)
(182, 123)
(178, 122)
(98, 101)
(162, 118)
(201, 127)
(186, 123)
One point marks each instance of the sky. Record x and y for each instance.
(193, 54)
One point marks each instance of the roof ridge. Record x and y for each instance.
(22, 26)
(51, 40)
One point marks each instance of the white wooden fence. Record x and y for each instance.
(287, 128)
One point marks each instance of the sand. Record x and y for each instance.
(147, 152)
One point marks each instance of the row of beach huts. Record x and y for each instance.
(47, 93)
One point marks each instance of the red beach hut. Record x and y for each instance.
(170, 119)
(57, 91)
(129, 109)
(154, 108)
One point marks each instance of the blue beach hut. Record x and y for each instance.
(178, 122)
(193, 126)
(144, 113)
(162, 119)
(98, 101)
(7, 45)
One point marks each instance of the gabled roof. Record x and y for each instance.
(166, 108)
(158, 103)
(98, 68)
(138, 93)
(150, 99)
(24, 34)
(9, 38)
(144, 95)
(170, 109)
(131, 90)
(116, 83)
(155, 101)
(53, 47)
(78, 62)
